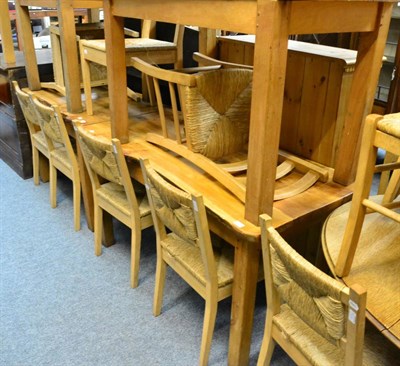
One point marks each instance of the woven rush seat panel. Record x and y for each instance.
(315, 347)
(218, 112)
(390, 124)
(377, 350)
(40, 140)
(115, 195)
(315, 298)
(190, 257)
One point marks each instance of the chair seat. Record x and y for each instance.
(114, 194)
(132, 44)
(390, 124)
(377, 349)
(39, 141)
(189, 256)
(60, 157)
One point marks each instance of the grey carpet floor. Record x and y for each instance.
(62, 305)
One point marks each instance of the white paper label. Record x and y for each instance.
(352, 316)
(353, 305)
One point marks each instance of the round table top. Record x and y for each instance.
(376, 265)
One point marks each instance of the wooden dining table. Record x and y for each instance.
(226, 213)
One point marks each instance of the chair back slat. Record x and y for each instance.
(175, 114)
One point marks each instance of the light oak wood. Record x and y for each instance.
(375, 262)
(372, 139)
(153, 51)
(213, 289)
(38, 142)
(317, 86)
(5, 32)
(61, 155)
(137, 214)
(352, 339)
(68, 44)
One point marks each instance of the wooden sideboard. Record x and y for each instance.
(317, 87)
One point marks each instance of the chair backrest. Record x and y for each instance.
(182, 213)
(104, 158)
(217, 112)
(215, 106)
(328, 307)
(28, 109)
(53, 127)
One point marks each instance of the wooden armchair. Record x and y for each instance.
(152, 50)
(38, 140)
(114, 192)
(379, 132)
(184, 243)
(316, 319)
(61, 154)
(215, 134)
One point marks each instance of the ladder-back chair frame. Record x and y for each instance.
(38, 140)
(61, 153)
(107, 167)
(184, 214)
(379, 132)
(331, 316)
(181, 142)
(145, 46)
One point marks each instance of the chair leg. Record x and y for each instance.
(98, 228)
(159, 286)
(135, 255)
(35, 163)
(268, 344)
(87, 88)
(53, 186)
(362, 186)
(208, 330)
(77, 204)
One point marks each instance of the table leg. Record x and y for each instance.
(87, 192)
(247, 257)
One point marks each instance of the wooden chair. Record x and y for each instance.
(38, 140)
(145, 47)
(114, 192)
(61, 154)
(316, 319)
(215, 133)
(379, 132)
(184, 243)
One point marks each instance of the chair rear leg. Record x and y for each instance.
(208, 330)
(53, 186)
(98, 229)
(35, 163)
(268, 344)
(135, 255)
(77, 204)
(159, 286)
